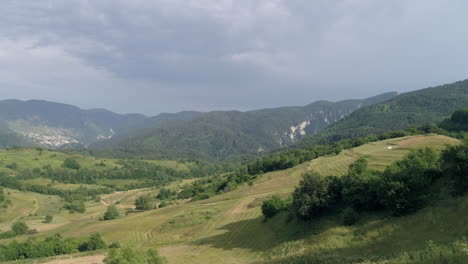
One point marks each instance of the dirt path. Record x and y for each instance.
(98, 259)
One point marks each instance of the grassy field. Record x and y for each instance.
(229, 228)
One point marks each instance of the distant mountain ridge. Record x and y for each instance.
(56, 125)
(221, 135)
(429, 105)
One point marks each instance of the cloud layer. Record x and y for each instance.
(171, 55)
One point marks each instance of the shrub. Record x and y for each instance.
(273, 206)
(312, 196)
(133, 256)
(350, 216)
(71, 164)
(94, 242)
(405, 184)
(111, 213)
(20, 228)
(48, 219)
(144, 203)
(76, 207)
(455, 166)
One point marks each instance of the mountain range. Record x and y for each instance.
(221, 135)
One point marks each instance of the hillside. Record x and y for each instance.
(430, 105)
(221, 228)
(222, 135)
(55, 125)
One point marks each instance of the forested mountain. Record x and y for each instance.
(221, 135)
(55, 125)
(430, 105)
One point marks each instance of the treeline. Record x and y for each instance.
(205, 188)
(68, 195)
(148, 173)
(403, 188)
(51, 246)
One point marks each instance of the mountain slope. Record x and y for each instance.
(430, 105)
(35, 122)
(221, 135)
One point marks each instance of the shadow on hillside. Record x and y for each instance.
(250, 234)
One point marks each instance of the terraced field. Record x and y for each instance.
(229, 228)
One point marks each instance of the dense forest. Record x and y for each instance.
(406, 110)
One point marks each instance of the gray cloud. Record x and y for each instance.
(171, 55)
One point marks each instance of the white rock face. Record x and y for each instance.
(298, 130)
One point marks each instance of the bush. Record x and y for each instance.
(144, 203)
(71, 164)
(94, 242)
(350, 216)
(48, 219)
(455, 166)
(115, 244)
(312, 196)
(76, 207)
(133, 256)
(405, 184)
(273, 206)
(111, 213)
(12, 166)
(20, 228)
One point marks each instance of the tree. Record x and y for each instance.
(48, 219)
(144, 202)
(133, 256)
(273, 206)
(111, 213)
(405, 184)
(71, 164)
(455, 166)
(20, 228)
(312, 196)
(350, 216)
(94, 242)
(2, 195)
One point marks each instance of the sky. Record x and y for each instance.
(153, 56)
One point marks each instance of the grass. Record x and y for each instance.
(229, 228)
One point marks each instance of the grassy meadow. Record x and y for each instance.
(230, 228)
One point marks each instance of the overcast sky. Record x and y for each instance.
(153, 56)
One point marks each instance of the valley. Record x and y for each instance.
(229, 228)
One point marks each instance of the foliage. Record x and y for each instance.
(457, 122)
(455, 166)
(111, 213)
(94, 242)
(144, 203)
(76, 207)
(312, 196)
(71, 164)
(48, 219)
(350, 216)
(133, 256)
(273, 206)
(50, 246)
(20, 228)
(406, 184)
(406, 110)
(165, 194)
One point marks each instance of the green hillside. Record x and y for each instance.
(224, 135)
(416, 108)
(229, 228)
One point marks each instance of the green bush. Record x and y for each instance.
(71, 164)
(350, 216)
(111, 213)
(144, 202)
(133, 256)
(273, 206)
(20, 228)
(312, 196)
(455, 166)
(48, 219)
